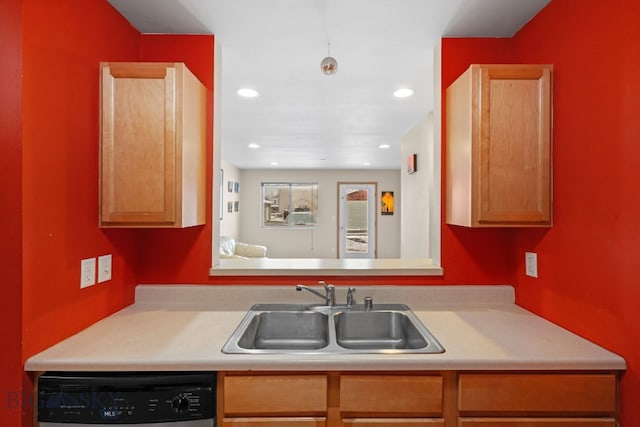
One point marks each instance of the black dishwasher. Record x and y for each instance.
(154, 399)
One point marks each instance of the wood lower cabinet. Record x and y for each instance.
(275, 422)
(290, 400)
(418, 395)
(391, 400)
(537, 400)
(393, 422)
(152, 146)
(418, 399)
(537, 422)
(498, 147)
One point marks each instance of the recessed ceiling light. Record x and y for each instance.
(384, 146)
(366, 164)
(254, 145)
(247, 92)
(403, 92)
(274, 163)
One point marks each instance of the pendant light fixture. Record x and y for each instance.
(329, 65)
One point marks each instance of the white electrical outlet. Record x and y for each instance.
(87, 272)
(531, 264)
(104, 268)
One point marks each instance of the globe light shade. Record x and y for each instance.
(329, 66)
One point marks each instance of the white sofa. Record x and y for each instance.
(230, 248)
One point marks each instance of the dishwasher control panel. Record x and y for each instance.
(125, 398)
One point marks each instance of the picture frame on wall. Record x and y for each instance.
(386, 203)
(229, 207)
(236, 187)
(230, 186)
(412, 163)
(236, 205)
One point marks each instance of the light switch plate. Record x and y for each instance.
(87, 272)
(104, 268)
(531, 264)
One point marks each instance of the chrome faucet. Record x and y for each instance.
(330, 292)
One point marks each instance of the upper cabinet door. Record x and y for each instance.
(498, 157)
(153, 128)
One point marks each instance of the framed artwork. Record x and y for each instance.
(230, 186)
(236, 205)
(236, 187)
(412, 163)
(386, 203)
(229, 207)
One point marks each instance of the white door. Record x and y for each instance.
(357, 220)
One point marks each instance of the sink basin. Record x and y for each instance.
(295, 330)
(299, 329)
(377, 330)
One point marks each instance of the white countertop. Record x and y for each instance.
(184, 327)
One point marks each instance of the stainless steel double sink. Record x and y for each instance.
(310, 329)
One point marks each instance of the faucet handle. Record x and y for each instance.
(331, 295)
(350, 292)
(329, 289)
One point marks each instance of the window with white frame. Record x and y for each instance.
(288, 204)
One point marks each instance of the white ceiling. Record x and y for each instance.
(303, 118)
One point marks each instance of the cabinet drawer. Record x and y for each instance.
(392, 422)
(273, 422)
(570, 394)
(391, 394)
(537, 422)
(275, 394)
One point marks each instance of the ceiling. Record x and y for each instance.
(303, 118)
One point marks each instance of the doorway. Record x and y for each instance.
(357, 220)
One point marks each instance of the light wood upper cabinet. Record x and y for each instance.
(152, 158)
(498, 147)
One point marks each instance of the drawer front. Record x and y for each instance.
(391, 394)
(575, 394)
(275, 395)
(392, 422)
(537, 422)
(273, 422)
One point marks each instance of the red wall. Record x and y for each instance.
(588, 278)
(586, 261)
(63, 44)
(477, 256)
(63, 41)
(53, 143)
(181, 256)
(11, 210)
